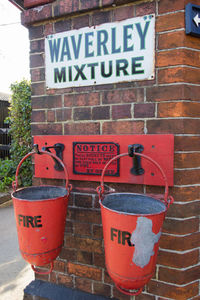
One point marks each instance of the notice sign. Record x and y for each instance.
(108, 53)
(91, 158)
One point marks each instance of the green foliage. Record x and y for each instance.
(20, 128)
(7, 174)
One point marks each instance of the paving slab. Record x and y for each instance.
(15, 273)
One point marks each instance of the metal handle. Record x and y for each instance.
(126, 292)
(43, 273)
(15, 183)
(100, 189)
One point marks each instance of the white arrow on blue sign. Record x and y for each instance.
(197, 20)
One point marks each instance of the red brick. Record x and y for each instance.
(97, 231)
(179, 276)
(46, 102)
(85, 5)
(82, 113)
(184, 177)
(46, 129)
(181, 226)
(63, 114)
(144, 296)
(177, 243)
(80, 22)
(172, 5)
(176, 260)
(121, 111)
(101, 113)
(132, 95)
(144, 110)
(36, 32)
(83, 284)
(37, 89)
(52, 278)
(187, 194)
(178, 109)
(37, 46)
(31, 16)
(123, 127)
(84, 244)
(83, 200)
(102, 289)
(81, 215)
(177, 57)
(123, 96)
(174, 126)
(176, 39)
(123, 13)
(48, 29)
(170, 22)
(107, 2)
(179, 74)
(38, 116)
(37, 75)
(83, 229)
(99, 260)
(68, 254)
(41, 276)
(165, 93)
(107, 278)
(84, 99)
(173, 92)
(84, 257)
(82, 128)
(84, 271)
(172, 291)
(187, 160)
(59, 266)
(100, 17)
(111, 97)
(63, 25)
(65, 7)
(36, 61)
(186, 143)
(145, 9)
(65, 280)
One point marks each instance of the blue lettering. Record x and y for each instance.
(54, 47)
(142, 35)
(65, 50)
(88, 43)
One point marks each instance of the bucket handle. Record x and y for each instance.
(100, 189)
(15, 183)
(43, 273)
(126, 292)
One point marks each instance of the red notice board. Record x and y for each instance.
(86, 156)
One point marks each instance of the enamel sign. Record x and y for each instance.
(192, 19)
(108, 53)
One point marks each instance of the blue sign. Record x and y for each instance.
(192, 19)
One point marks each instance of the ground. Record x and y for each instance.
(15, 273)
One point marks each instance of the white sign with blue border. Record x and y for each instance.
(108, 53)
(192, 19)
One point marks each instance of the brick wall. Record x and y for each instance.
(168, 104)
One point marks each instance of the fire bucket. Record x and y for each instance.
(40, 213)
(132, 226)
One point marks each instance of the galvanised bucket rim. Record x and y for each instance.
(15, 194)
(131, 213)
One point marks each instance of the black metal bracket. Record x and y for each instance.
(59, 148)
(137, 167)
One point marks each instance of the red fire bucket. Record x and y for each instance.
(40, 213)
(132, 226)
